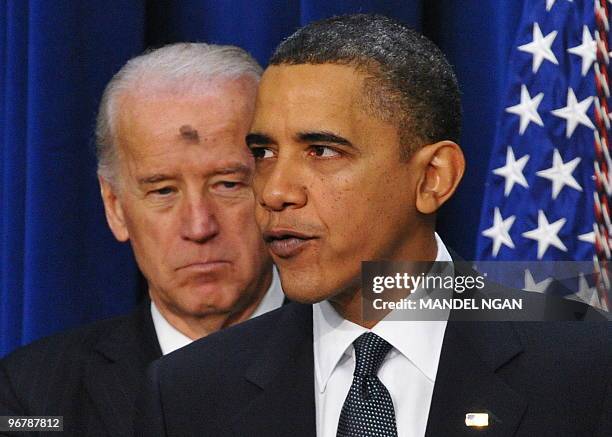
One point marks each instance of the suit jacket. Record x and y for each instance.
(257, 379)
(89, 375)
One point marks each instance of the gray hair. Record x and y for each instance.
(183, 67)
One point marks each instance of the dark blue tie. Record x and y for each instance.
(368, 408)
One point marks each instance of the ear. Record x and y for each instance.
(113, 210)
(444, 165)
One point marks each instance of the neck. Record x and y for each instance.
(263, 284)
(200, 325)
(349, 303)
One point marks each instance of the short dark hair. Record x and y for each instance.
(409, 81)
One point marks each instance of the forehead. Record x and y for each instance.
(308, 96)
(166, 127)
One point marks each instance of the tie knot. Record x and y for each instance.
(370, 351)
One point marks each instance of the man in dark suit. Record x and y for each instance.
(355, 139)
(175, 177)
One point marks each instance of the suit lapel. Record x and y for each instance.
(117, 367)
(284, 374)
(468, 380)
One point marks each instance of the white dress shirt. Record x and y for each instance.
(171, 339)
(408, 371)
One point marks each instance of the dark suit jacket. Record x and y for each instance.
(257, 379)
(90, 375)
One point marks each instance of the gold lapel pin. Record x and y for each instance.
(477, 419)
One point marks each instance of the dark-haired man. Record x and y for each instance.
(355, 136)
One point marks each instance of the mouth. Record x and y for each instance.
(286, 243)
(204, 266)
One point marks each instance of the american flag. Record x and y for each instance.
(548, 185)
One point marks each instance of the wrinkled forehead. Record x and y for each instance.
(220, 96)
(186, 131)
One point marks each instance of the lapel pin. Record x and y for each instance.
(477, 419)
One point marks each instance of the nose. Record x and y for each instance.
(198, 220)
(281, 186)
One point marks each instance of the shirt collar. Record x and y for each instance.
(273, 298)
(419, 341)
(171, 339)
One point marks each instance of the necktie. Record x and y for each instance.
(368, 408)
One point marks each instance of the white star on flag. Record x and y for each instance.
(532, 285)
(589, 237)
(595, 302)
(587, 50)
(540, 48)
(575, 113)
(561, 174)
(546, 234)
(584, 293)
(512, 171)
(499, 231)
(527, 109)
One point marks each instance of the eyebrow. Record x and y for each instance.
(229, 169)
(153, 179)
(304, 137)
(322, 137)
(234, 169)
(258, 138)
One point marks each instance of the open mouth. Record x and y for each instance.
(285, 244)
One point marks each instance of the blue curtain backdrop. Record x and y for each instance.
(60, 265)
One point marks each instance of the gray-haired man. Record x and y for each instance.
(175, 177)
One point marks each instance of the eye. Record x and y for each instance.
(164, 191)
(323, 152)
(228, 185)
(261, 152)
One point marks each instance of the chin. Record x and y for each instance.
(210, 299)
(304, 298)
(203, 309)
(309, 286)
(303, 292)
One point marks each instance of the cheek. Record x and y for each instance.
(239, 216)
(344, 208)
(361, 209)
(151, 234)
(262, 218)
(241, 230)
(346, 198)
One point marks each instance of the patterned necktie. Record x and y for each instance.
(368, 408)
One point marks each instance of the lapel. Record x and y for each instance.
(117, 366)
(468, 380)
(283, 372)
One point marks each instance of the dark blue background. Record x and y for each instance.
(60, 265)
